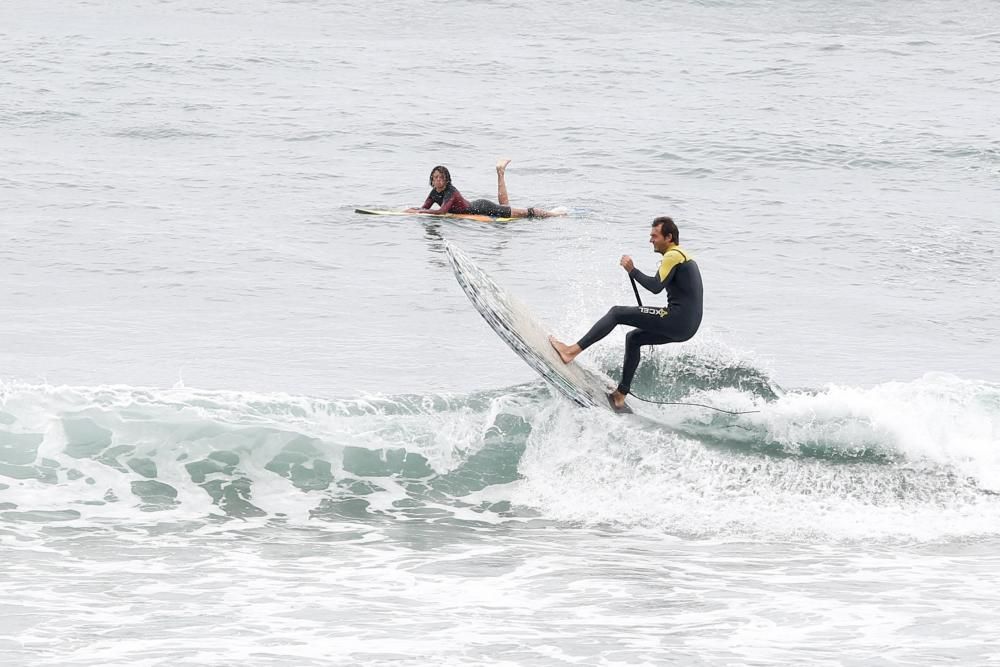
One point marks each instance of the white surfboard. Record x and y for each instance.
(514, 323)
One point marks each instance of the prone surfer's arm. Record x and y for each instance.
(445, 205)
(423, 209)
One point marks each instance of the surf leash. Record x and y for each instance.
(697, 405)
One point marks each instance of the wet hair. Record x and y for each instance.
(444, 172)
(667, 226)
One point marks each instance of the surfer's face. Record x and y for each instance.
(438, 181)
(658, 240)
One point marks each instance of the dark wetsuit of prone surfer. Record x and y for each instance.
(450, 200)
(679, 275)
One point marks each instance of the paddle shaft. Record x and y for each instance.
(636, 290)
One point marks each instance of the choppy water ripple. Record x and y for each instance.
(846, 130)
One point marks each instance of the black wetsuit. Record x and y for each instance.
(451, 201)
(679, 275)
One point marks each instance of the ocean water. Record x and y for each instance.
(240, 424)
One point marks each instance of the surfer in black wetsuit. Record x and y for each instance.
(450, 200)
(679, 321)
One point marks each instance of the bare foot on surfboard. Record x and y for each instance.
(566, 352)
(502, 164)
(616, 400)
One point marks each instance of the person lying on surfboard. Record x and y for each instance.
(679, 275)
(450, 200)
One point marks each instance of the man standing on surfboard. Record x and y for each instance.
(450, 200)
(679, 275)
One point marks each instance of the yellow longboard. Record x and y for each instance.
(462, 216)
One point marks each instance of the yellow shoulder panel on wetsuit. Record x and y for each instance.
(672, 258)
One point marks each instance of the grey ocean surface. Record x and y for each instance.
(240, 424)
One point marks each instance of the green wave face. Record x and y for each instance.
(913, 458)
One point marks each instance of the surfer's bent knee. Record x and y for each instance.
(618, 312)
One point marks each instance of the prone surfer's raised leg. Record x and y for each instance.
(501, 182)
(566, 352)
(504, 199)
